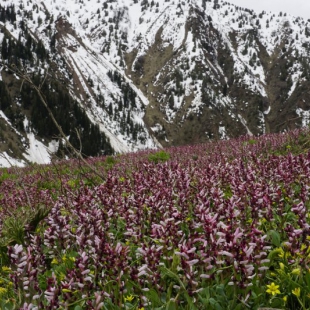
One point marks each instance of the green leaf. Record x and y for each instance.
(275, 238)
(152, 295)
(170, 274)
(277, 303)
(189, 301)
(171, 305)
(215, 304)
(220, 290)
(6, 306)
(176, 260)
(78, 307)
(307, 278)
(239, 307)
(204, 296)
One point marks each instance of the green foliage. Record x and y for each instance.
(252, 141)
(5, 175)
(110, 161)
(49, 184)
(6, 288)
(160, 156)
(275, 237)
(15, 227)
(36, 216)
(297, 146)
(13, 230)
(293, 280)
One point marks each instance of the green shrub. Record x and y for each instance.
(160, 156)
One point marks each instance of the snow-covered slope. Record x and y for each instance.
(148, 73)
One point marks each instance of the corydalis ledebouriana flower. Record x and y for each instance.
(199, 217)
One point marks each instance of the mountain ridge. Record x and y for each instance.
(145, 74)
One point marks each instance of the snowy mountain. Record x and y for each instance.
(137, 74)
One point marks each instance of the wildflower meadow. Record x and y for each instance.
(222, 225)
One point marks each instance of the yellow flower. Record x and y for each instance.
(273, 289)
(281, 253)
(6, 269)
(303, 247)
(65, 290)
(296, 291)
(281, 266)
(61, 276)
(129, 298)
(296, 271)
(141, 308)
(64, 212)
(54, 261)
(285, 298)
(3, 291)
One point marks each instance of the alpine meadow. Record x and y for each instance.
(154, 155)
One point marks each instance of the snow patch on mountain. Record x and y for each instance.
(37, 152)
(94, 36)
(7, 161)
